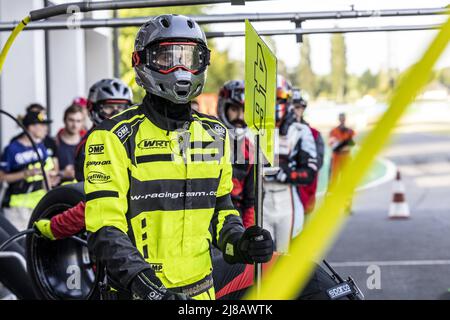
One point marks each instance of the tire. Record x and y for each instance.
(60, 269)
(12, 274)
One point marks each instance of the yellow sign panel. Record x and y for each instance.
(260, 90)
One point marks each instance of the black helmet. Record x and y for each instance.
(232, 93)
(170, 58)
(107, 92)
(297, 98)
(60, 269)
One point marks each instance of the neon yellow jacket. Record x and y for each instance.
(163, 188)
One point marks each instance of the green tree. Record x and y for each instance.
(305, 77)
(354, 91)
(444, 76)
(338, 66)
(323, 87)
(221, 70)
(384, 82)
(367, 82)
(283, 70)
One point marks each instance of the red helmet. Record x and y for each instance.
(284, 97)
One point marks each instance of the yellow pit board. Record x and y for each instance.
(260, 90)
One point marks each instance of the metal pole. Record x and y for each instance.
(230, 18)
(216, 34)
(48, 98)
(324, 30)
(258, 203)
(61, 9)
(116, 52)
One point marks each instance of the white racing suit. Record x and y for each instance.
(297, 164)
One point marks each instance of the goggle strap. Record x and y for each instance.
(116, 101)
(138, 57)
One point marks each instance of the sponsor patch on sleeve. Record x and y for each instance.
(96, 149)
(97, 177)
(98, 163)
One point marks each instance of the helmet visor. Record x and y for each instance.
(166, 57)
(237, 95)
(109, 108)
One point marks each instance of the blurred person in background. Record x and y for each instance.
(20, 168)
(307, 192)
(106, 98)
(297, 165)
(231, 113)
(67, 141)
(49, 142)
(341, 142)
(83, 103)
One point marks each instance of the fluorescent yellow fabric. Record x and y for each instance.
(160, 187)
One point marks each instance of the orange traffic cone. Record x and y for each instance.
(399, 208)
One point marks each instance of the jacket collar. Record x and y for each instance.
(165, 114)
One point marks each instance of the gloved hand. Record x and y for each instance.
(281, 176)
(147, 286)
(253, 245)
(44, 229)
(256, 245)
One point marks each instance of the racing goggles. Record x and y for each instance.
(166, 57)
(108, 108)
(238, 96)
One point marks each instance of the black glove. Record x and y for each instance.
(255, 244)
(147, 286)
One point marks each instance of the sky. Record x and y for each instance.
(364, 50)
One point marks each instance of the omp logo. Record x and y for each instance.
(153, 144)
(122, 131)
(219, 129)
(96, 149)
(97, 163)
(96, 177)
(157, 267)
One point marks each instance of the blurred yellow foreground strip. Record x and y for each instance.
(290, 273)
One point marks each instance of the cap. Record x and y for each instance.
(80, 101)
(34, 117)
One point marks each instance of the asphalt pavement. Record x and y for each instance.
(402, 259)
